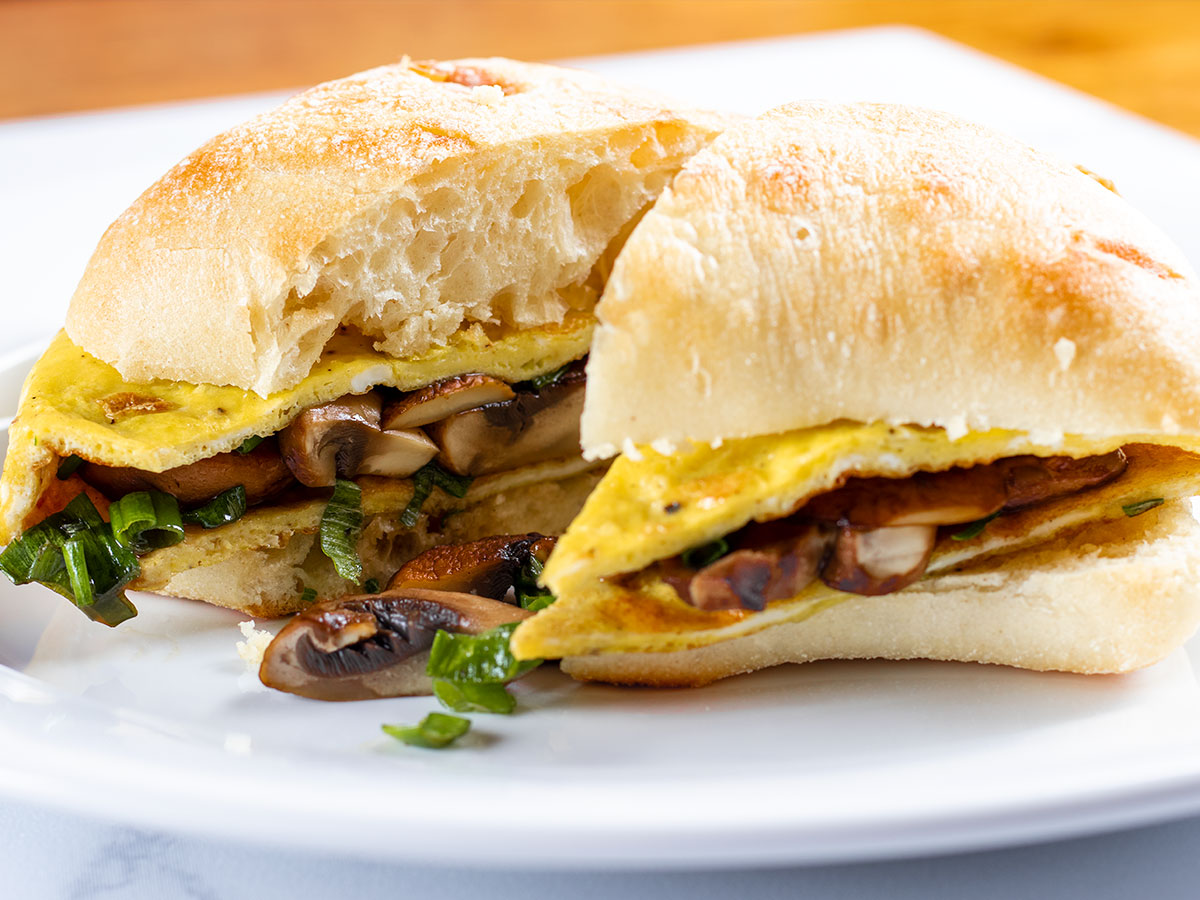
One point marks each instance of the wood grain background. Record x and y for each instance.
(64, 55)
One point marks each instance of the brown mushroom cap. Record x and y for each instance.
(262, 472)
(373, 645)
(489, 567)
(329, 440)
(445, 398)
(530, 428)
(925, 498)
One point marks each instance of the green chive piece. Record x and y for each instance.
(424, 480)
(1136, 509)
(341, 524)
(371, 586)
(308, 596)
(249, 444)
(75, 554)
(146, 520)
(68, 466)
(544, 381)
(437, 730)
(228, 506)
(477, 658)
(531, 595)
(973, 529)
(454, 485)
(705, 554)
(463, 696)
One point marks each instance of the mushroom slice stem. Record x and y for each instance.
(373, 645)
(879, 560)
(445, 398)
(330, 440)
(396, 454)
(530, 428)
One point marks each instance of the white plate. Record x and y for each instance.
(157, 723)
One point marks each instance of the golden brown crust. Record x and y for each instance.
(882, 263)
(1111, 598)
(404, 200)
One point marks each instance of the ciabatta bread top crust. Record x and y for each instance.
(407, 200)
(882, 263)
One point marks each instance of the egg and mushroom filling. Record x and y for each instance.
(680, 550)
(100, 470)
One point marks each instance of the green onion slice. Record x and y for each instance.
(424, 480)
(436, 730)
(341, 524)
(371, 586)
(308, 596)
(973, 529)
(249, 444)
(705, 554)
(1136, 509)
(477, 658)
(228, 506)
(531, 595)
(74, 553)
(544, 381)
(146, 520)
(68, 466)
(463, 696)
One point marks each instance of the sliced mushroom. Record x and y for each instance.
(262, 472)
(530, 428)
(489, 568)
(925, 498)
(878, 560)
(373, 645)
(330, 440)
(445, 398)
(1033, 479)
(751, 578)
(396, 453)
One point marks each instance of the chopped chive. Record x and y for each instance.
(68, 467)
(74, 553)
(973, 529)
(341, 524)
(477, 658)
(1136, 509)
(228, 506)
(424, 480)
(435, 731)
(146, 520)
(464, 696)
(531, 595)
(249, 444)
(308, 596)
(544, 381)
(705, 554)
(371, 586)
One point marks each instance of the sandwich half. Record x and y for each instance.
(887, 384)
(366, 308)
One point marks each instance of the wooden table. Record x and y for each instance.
(62, 55)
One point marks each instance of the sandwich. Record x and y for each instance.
(332, 337)
(884, 384)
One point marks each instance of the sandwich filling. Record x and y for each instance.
(166, 470)
(686, 549)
